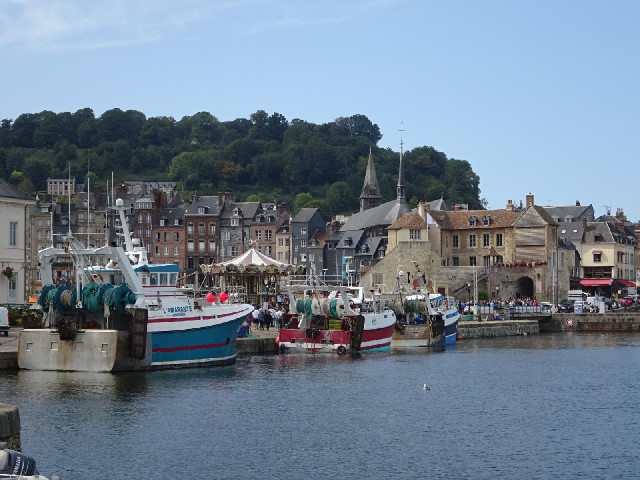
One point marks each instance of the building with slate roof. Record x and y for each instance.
(609, 256)
(169, 236)
(15, 208)
(571, 213)
(203, 219)
(236, 220)
(370, 196)
(304, 226)
(375, 220)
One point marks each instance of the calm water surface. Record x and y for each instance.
(549, 406)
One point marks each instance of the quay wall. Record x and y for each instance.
(256, 346)
(592, 322)
(501, 328)
(9, 427)
(9, 360)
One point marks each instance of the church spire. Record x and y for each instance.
(401, 195)
(370, 196)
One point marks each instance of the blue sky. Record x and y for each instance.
(539, 96)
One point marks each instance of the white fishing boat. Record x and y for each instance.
(126, 314)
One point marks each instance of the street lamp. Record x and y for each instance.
(468, 292)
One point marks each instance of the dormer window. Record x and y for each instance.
(202, 210)
(303, 231)
(472, 222)
(162, 222)
(176, 221)
(235, 222)
(568, 218)
(236, 211)
(271, 218)
(556, 219)
(485, 221)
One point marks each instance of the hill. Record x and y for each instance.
(265, 157)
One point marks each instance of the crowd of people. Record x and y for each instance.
(266, 316)
(501, 303)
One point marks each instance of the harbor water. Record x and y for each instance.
(543, 406)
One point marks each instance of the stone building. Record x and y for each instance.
(15, 207)
(40, 237)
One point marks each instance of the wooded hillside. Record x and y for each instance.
(265, 157)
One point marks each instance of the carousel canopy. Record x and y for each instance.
(252, 261)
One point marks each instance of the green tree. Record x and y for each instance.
(300, 201)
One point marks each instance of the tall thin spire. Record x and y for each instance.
(401, 195)
(370, 196)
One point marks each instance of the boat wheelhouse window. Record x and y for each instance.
(164, 279)
(154, 279)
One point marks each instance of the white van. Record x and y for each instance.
(4, 321)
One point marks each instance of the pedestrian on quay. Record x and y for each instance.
(256, 318)
(268, 319)
(261, 318)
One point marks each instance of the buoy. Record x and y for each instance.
(425, 387)
(459, 337)
(211, 297)
(277, 340)
(223, 296)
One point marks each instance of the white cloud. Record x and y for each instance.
(83, 24)
(77, 24)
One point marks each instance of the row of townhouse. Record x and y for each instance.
(204, 229)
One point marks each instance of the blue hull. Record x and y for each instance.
(451, 328)
(209, 345)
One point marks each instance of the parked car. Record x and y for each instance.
(546, 306)
(565, 306)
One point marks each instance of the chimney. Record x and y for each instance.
(577, 203)
(421, 211)
(510, 207)
(529, 200)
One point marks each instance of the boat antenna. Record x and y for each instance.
(88, 205)
(69, 200)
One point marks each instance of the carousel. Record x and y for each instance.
(252, 275)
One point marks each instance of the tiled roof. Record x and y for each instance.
(459, 219)
(411, 221)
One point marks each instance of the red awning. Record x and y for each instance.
(596, 282)
(597, 252)
(626, 283)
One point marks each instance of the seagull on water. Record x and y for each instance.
(425, 387)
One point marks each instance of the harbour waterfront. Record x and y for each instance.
(538, 406)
